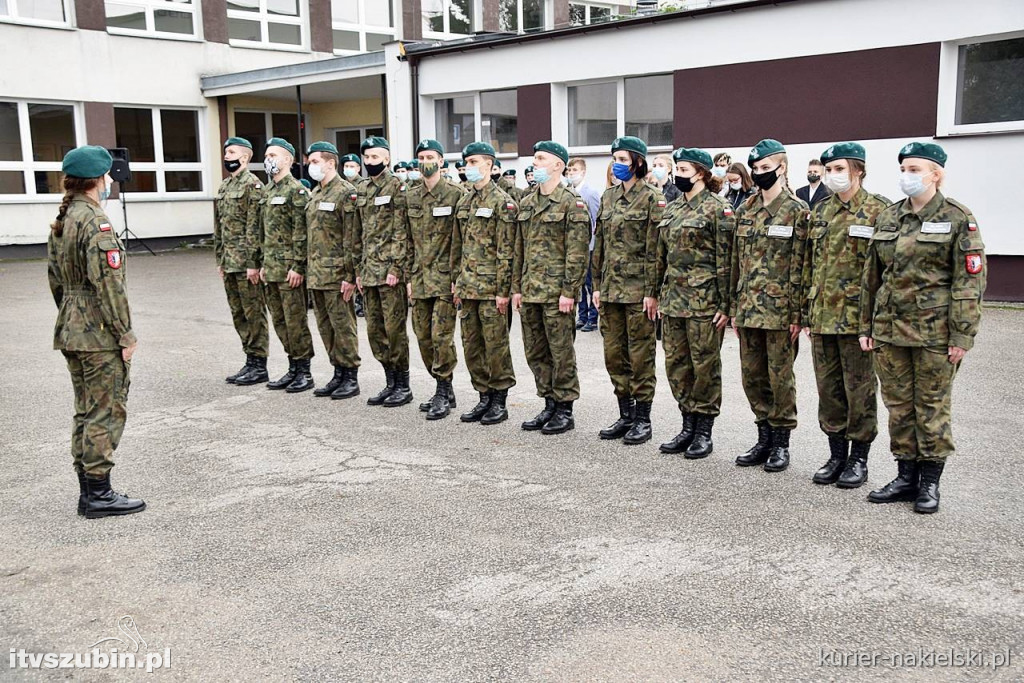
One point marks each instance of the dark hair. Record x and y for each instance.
(638, 166)
(815, 162)
(741, 170)
(722, 156)
(330, 156)
(858, 166)
(72, 186)
(710, 181)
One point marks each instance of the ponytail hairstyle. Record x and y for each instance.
(72, 186)
(712, 182)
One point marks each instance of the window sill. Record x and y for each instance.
(249, 45)
(129, 33)
(37, 23)
(953, 131)
(133, 198)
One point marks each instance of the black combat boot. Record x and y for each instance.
(82, 491)
(286, 379)
(778, 457)
(303, 378)
(902, 488)
(496, 412)
(440, 406)
(928, 492)
(542, 418)
(681, 441)
(833, 467)
(378, 399)
(452, 403)
(477, 412)
(328, 389)
(401, 394)
(856, 472)
(701, 446)
(101, 501)
(349, 386)
(230, 379)
(758, 453)
(425, 406)
(641, 429)
(257, 373)
(619, 428)
(562, 421)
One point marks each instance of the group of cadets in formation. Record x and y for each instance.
(886, 290)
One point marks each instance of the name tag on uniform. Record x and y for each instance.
(936, 228)
(780, 230)
(380, 201)
(326, 206)
(484, 212)
(862, 231)
(442, 211)
(277, 200)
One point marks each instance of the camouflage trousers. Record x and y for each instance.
(249, 314)
(630, 350)
(386, 311)
(917, 388)
(100, 380)
(485, 345)
(290, 314)
(766, 364)
(336, 320)
(433, 321)
(693, 363)
(548, 337)
(847, 388)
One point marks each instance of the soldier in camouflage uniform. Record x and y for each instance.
(94, 327)
(331, 221)
(508, 183)
(381, 253)
(837, 245)
(280, 248)
(920, 310)
(236, 212)
(693, 275)
(765, 302)
(625, 283)
(430, 220)
(551, 249)
(481, 267)
(350, 168)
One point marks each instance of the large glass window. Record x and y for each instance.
(258, 127)
(163, 146)
(362, 25)
(649, 109)
(34, 137)
(151, 17)
(498, 120)
(521, 16)
(35, 11)
(448, 17)
(989, 78)
(455, 121)
(275, 23)
(640, 106)
(584, 13)
(592, 114)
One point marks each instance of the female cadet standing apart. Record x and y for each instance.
(765, 301)
(840, 229)
(661, 169)
(94, 327)
(920, 313)
(625, 246)
(694, 258)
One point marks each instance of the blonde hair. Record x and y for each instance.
(667, 159)
(942, 174)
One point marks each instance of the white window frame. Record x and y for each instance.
(12, 16)
(949, 76)
(362, 27)
(264, 18)
(549, 18)
(447, 34)
(160, 167)
(28, 166)
(620, 113)
(150, 6)
(268, 128)
(478, 127)
(331, 133)
(587, 6)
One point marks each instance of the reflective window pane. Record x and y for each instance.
(498, 118)
(4, 11)
(378, 13)
(253, 127)
(346, 40)
(649, 109)
(134, 130)
(347, 141)
(375, 41)
(990, 77)
(454, 122)
(53, 130)
(183, 181)
(244, 5)
(142, 181)
(460, 16)
(592, 114)
(433, 15)
(46, 10)
(170, 21)
(577, 15)
(508, 16)
(10, 132)
(284, 34)
(126, 16)
(48, 182)
(345, 10)
(12, 182)
(599, 14)
(288, 8)
(285, 126)
(180, 132)
(533, 15)
(243, 29)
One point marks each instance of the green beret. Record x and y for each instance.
(497, 163)
(305, 183)
(763, 149)
(552, 147)
(460, 164)
(474, 148)
(630, 144)
(528, 169)
(400, 165)
(323, 146)
(241, 142)
(924, 150)
(374, 141)
(510, 173)
(414, 163)
(843, 150)
(89, 161)
(281, 142)
(350, 157)
(694, 156)
(430, 146)
(445, 164)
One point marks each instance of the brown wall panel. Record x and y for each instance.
(99, 124)
(91, 15)
(1005, 278)
(215, 20)
(490, 22)
(320, 33)
(412, 19)
(533, 104)
(867, 94)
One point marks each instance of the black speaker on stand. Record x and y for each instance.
(121, 173)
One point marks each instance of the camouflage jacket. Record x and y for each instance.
(925, 276)
(510, 188)
(236, 213)
(430, 221)
(767, 262)
(331, 218)
(483, 242)
(837, 246)
(381, 242)
(282, 229)
(551, 248)
(626, 243)
(695, 256)
(86, 274)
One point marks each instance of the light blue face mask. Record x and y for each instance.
(912, 184)
(659, 173)
(541, 175)
(473, 174)
(351, 172)
(104, 193)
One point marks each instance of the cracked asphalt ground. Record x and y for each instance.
(290, 537)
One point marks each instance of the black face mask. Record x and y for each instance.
(767, 179)
(375, 170)
(684, 184)
(813, 177)
(232, 166)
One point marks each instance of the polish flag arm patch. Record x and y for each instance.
(104, 227)
(114, 259)
(510, 206)
(974, 263)
(661, 204)
(580, 204)
(727, 212)
(972, 226)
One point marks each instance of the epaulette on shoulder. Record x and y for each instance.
(967, 212)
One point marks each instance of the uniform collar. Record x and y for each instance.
(776, 204)
(853, 206)
(927, 211)
(697, 198)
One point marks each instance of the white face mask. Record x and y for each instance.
(738, 185)
(402, 175)
(838, 182)
(271, 167)
(414, 175)
(316, 172)
(912, 184)
(351, 172)
(718, 171)
(575, 179)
